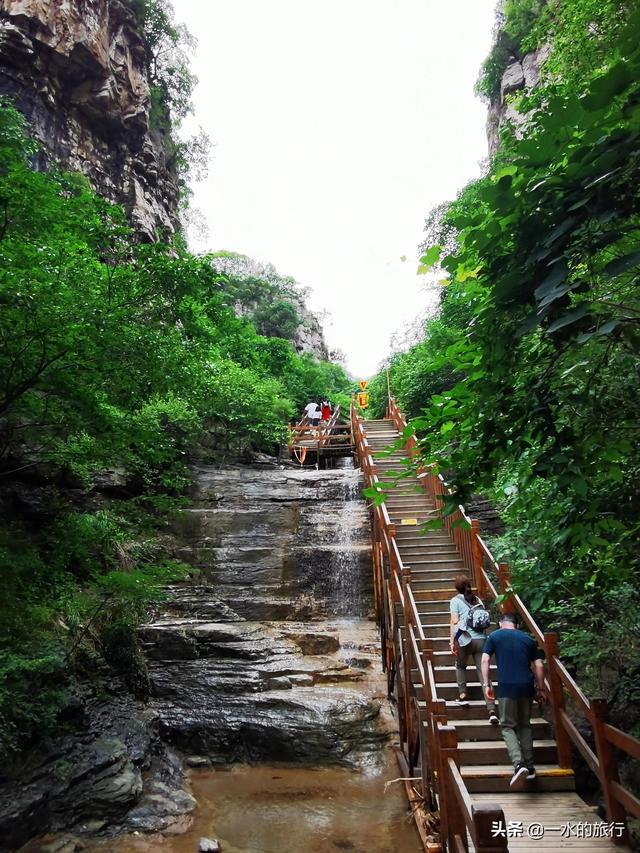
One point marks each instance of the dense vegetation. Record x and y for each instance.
(584, 35)
(121, 358)
(526, 383)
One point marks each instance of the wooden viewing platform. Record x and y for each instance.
(317, 444)
(458, 757)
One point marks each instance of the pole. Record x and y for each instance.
(388, 390)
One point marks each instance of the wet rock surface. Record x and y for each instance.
(245, 665)
(93, 778)
(267, 655)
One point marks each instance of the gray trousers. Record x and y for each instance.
(515, 723)
(471, 650)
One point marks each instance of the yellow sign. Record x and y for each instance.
(408, 521)
(363, 400)
(363, 384)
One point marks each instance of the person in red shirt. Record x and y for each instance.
(325, 410)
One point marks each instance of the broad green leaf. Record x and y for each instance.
(603, 330)
(570, 317)
(558, 273)
(431, 257)
(623, 264)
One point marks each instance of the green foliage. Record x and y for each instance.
(277, 320)
(488, 84)
(168, 45)
(120, 356)
(583, 36)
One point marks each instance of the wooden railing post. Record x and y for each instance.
(454, 822)
(607, 765)
(488, 820)
(407, 652)
(424, 717)
(476, 551)
(376, 557)
(507, 606)
(556, 700)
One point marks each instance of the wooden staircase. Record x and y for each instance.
(463, 766)
(433, 560)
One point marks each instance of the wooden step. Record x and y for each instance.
(427, 547)
(476, 709)
(409, 504)
(406, 534)
(495, 752)
(496, 778)
(440, 607)
(447, 674)
(432, 596)
(423, 583)
(471, 730)
(425, 558)
(434, 608)
(435, 624)
(448, 690)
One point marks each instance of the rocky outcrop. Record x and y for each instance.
(309, 336)
(76, 70)
(520, 74)
(93, 778)
(235, 674)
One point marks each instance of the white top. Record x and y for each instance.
(311, 409)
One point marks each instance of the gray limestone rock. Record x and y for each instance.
(77, 71)
(512, 79)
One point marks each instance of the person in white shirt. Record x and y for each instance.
(312, 411)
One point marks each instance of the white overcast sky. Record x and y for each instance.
(337, 126)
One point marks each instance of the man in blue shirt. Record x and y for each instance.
(518, 659)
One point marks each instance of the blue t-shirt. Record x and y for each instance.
(515, 651)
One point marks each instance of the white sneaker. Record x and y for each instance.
(531, 774)
(519, 775)
(462, 701)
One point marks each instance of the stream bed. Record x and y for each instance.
(286, 809)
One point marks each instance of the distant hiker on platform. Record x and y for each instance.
(469, 621)
(518, 659)
(312, 410)
(325, 410)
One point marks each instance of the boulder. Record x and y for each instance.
(315, 643)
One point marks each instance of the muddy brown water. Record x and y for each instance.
(285, 809)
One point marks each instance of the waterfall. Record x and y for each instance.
(349, 565)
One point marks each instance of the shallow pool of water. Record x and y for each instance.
(276, 809)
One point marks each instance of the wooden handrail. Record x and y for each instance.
(621, 740)
(587, 753)
(572, 687)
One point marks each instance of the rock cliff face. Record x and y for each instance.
(309, 336)
(76, 70)
(520, 73)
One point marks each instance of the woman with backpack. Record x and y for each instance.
(469, 621)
